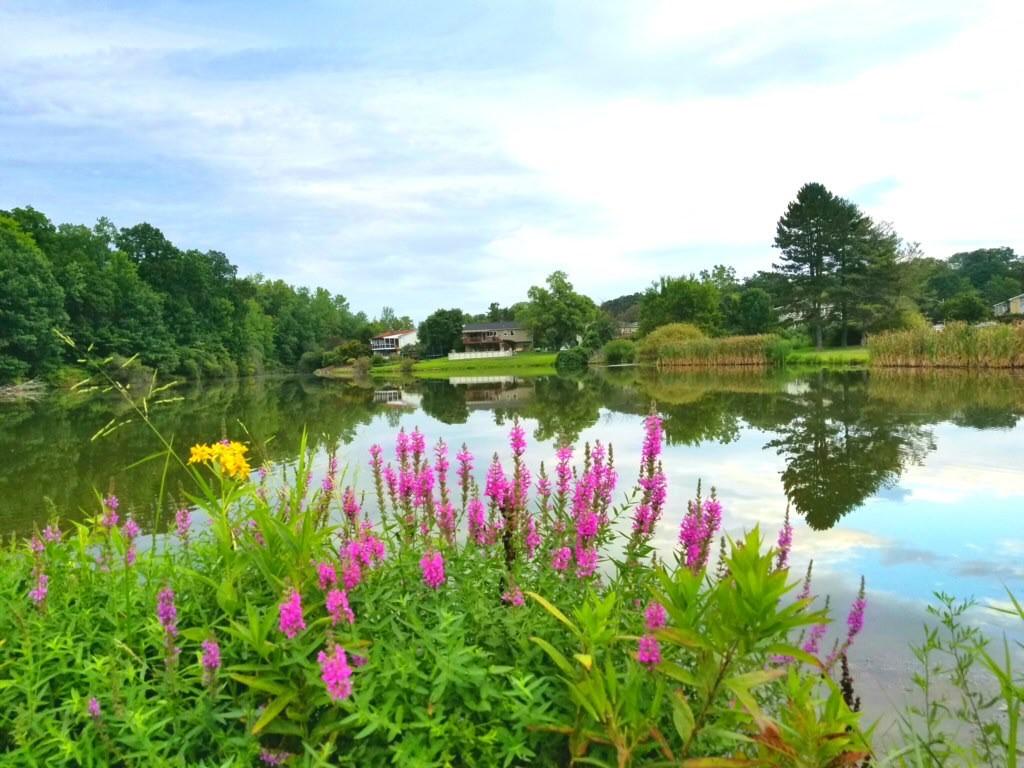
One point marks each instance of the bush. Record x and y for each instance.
(310, 360)
(294, 624)
(345, 353)
(406, 365)
(378, 359)
(573, 359)
(619, 352)
(361, 366)
(650, 346)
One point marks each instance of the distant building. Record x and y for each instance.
(392, 342)
(628, 330)
(1014, 306)
(503, 336)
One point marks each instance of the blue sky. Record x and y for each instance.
(425, 154)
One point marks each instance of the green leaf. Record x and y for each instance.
(259, 684)
(682, 716)
(585, 659)
(547, 606)
(677, 673)
(227, 595)
(556, 655)
(273, 711)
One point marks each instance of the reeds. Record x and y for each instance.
(762, 350)
(958, 345)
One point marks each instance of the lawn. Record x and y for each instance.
(837, 356)
(523, 364)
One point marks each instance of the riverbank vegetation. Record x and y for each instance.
(295, 621)
(958, 345)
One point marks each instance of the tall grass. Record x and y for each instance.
(959, 345)
(762, 350)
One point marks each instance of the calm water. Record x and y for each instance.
(915, 481)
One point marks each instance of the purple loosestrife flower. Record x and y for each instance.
(643, 520)
(532, 537)
(336, 673)
(131, 529)
(274, 757)
(326, 575)
(446, 520)
(338, 607)
(432, 565)
(52, 533)
(290, 619)
(477, 521)
(817, 634)
(496, 486)
(785, 544)
(855, 619)
(424, 486)
(561, 558)
(183, 522)
(586, 562)
(38, 595)
(517, 439)
(110, 516)
(805, 590)
(563, 470)
(514, 597)
(441, 463)
(652, 440)
(36, 546)
(93, 707)
(349, 504)
(210, 659)
(391, 478)
(655, 617)
(648, 651)
(167, 612)
(419, 444)
(402, 447)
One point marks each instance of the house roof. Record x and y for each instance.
(393, 334)
(501, 325)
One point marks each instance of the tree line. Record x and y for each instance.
(131, 291)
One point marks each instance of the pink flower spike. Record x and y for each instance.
(93, 708)
(432, 565)
(211, 655)
(338, 607)
(291, 620)
(327, 575)
(648, 651)
(336, 673)
(655, 617)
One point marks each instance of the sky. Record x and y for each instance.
(435, 154)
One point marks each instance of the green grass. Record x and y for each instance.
(523, 364)
(839, 356)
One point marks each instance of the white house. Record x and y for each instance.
(391, 342)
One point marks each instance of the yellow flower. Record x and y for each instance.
(229, 457)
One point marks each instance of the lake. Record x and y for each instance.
(914, 480)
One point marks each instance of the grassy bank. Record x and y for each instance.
(524, 364)
(829, 357)
(959, 345)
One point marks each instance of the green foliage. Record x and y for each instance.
(765, 349)
(968, 307)
(650, 346)
(573, 359)
(619, 352)
(441, 332)
(132, 291)
(970, 699)
(31, 306)
(346, 352)
(557, 315)
(958, 345)
(681, 300)
(752, 312)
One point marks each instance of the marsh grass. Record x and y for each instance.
(958, 345)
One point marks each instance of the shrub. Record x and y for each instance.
(406, 365)
(345, 353)
(310, 360)
(293, 624)
(361, 366)
(573, 359)
(650, 346)
(619, 352)
(378, 359)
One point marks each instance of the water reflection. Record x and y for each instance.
(843, 437)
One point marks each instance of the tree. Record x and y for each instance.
(441, 332)
(31, 306)
(967, 306)
(754, 312)
(681, 300)
(816, 236)
(557, 315)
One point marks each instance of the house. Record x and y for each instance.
(392, 342)
(628, 330)
(502, 336)
(1012, 306)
